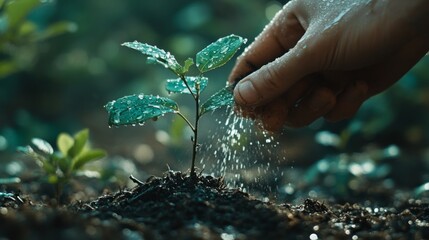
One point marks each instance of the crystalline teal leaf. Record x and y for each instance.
(157, 55)
(218, 53)
(138, 108)
(222, 98)
(178, 86)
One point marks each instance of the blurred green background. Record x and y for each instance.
(63, 61)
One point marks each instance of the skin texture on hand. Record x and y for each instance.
(325, 58)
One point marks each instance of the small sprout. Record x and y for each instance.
(60, 166)
(140, 108)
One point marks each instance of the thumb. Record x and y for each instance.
(274, 78)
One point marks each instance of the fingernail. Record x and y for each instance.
(246, 93)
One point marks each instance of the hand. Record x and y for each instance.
(325, 58)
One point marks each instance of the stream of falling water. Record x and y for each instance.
(247, 156)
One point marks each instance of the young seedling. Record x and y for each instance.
(60, 166)
(138, 108)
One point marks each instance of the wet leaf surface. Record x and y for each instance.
(218, 53)
(157, 55)
(224, 97)
(138, 108)
(178, 86)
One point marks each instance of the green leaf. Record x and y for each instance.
(42, 160)
(27, 28)
(29, 151)
(65, 142)
(64, 163)
(188, 63)
(178, 86)
(86, 157)
(43, 146)
(53, 179)
(138, 108)
(157, 55)
(218, 53)
(222, 98)
(80, 140)
(16, 11)
(56, 29)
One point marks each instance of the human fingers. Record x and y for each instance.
(277, 52)
(319, 102)
(274, 115)
(277, 38)
(349, 101)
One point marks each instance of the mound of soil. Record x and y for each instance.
(181, 207)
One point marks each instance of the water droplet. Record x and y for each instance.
(116, 118)
(141, 96)
(238, 152)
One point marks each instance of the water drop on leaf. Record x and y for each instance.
(218, 53)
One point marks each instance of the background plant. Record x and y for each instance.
(60, 166)
(138, 108)
(17, 33)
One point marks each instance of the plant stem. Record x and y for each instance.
(194, 127)
(187, 121)
(183, 78)
(195, 130)
(58, 192)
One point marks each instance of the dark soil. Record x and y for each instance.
(177, 206)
